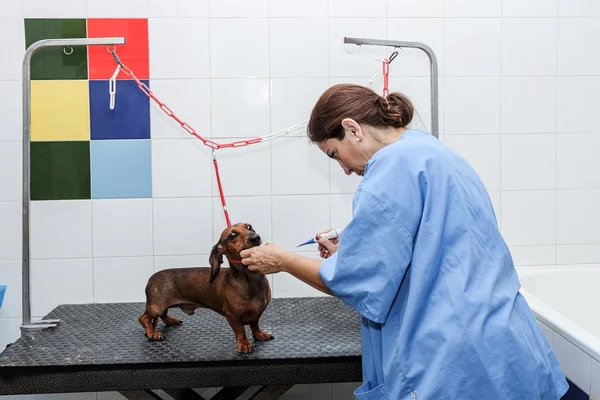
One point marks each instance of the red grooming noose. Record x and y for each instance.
(221, 189)
(208, 142)
(386, 73)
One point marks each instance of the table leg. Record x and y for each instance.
(270, 392)
(140, 395)
(183, 394)
(230, 392)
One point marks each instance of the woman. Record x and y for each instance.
(422, 261)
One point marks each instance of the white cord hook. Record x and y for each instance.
(352, 48)
(391, 58)
(112, 87)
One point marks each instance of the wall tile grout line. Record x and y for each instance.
(273, 280)
(374, 17)
(282, 195)
(556, 132)
(500, 112)
(152, 147)
(91, 166)
(408, 76)
(210, 109)
(329, 85)
(442, 131)
(329, 163)
(150, 105)
(179, 254)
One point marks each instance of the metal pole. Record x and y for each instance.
(27, 324)
(433, 70)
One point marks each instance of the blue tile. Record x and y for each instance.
(130, 118)
(121, 169)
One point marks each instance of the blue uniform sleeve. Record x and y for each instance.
(374, 251)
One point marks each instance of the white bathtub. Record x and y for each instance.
(566, 301)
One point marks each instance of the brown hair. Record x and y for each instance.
(359, 103)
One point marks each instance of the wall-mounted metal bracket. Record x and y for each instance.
(28, 325)
(433, 70)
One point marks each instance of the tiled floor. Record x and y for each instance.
(575, 393)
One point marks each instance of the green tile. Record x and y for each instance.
(60, 170)
(53, 62)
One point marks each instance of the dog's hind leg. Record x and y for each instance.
(259, 334)
(148, 320)
(170, 321)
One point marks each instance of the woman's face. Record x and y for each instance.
(353, 151)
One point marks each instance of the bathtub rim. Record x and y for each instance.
(552, 318)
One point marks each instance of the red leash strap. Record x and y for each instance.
(221, 189)
(207, 142)
(386, 73)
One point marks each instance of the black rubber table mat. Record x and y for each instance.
(110, 334)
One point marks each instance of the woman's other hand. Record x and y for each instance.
(327, 247)
(267, 259)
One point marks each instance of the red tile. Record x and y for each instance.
(133, 54)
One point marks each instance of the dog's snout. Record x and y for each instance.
(254, 238)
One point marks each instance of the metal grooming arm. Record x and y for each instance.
(48, 323)
(433, 69)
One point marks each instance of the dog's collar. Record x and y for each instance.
(234, 261)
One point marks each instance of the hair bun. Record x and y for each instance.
(395, 109)
(360, 103)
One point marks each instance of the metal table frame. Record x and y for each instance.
(319, 343)
(137, 381)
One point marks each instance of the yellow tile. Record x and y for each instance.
(60, 110)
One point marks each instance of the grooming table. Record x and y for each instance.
(102, 347)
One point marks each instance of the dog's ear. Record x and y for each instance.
(215, 260)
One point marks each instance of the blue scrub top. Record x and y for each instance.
(425, 265)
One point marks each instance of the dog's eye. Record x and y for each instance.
(250, 228)
(232, 235)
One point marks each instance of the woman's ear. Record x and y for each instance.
(352, 129)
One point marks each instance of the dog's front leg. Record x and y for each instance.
(243, 344)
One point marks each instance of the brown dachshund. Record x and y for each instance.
(236, 293)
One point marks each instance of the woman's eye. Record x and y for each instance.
(232, 236)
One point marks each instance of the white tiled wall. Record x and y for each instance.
(518, 98)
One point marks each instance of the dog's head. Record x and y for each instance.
(233, 240)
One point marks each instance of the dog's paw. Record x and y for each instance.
(263, 336)
(245, 347)
(156, 336)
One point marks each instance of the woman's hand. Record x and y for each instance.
(271, 258)
(267, 259)
(327, 247)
